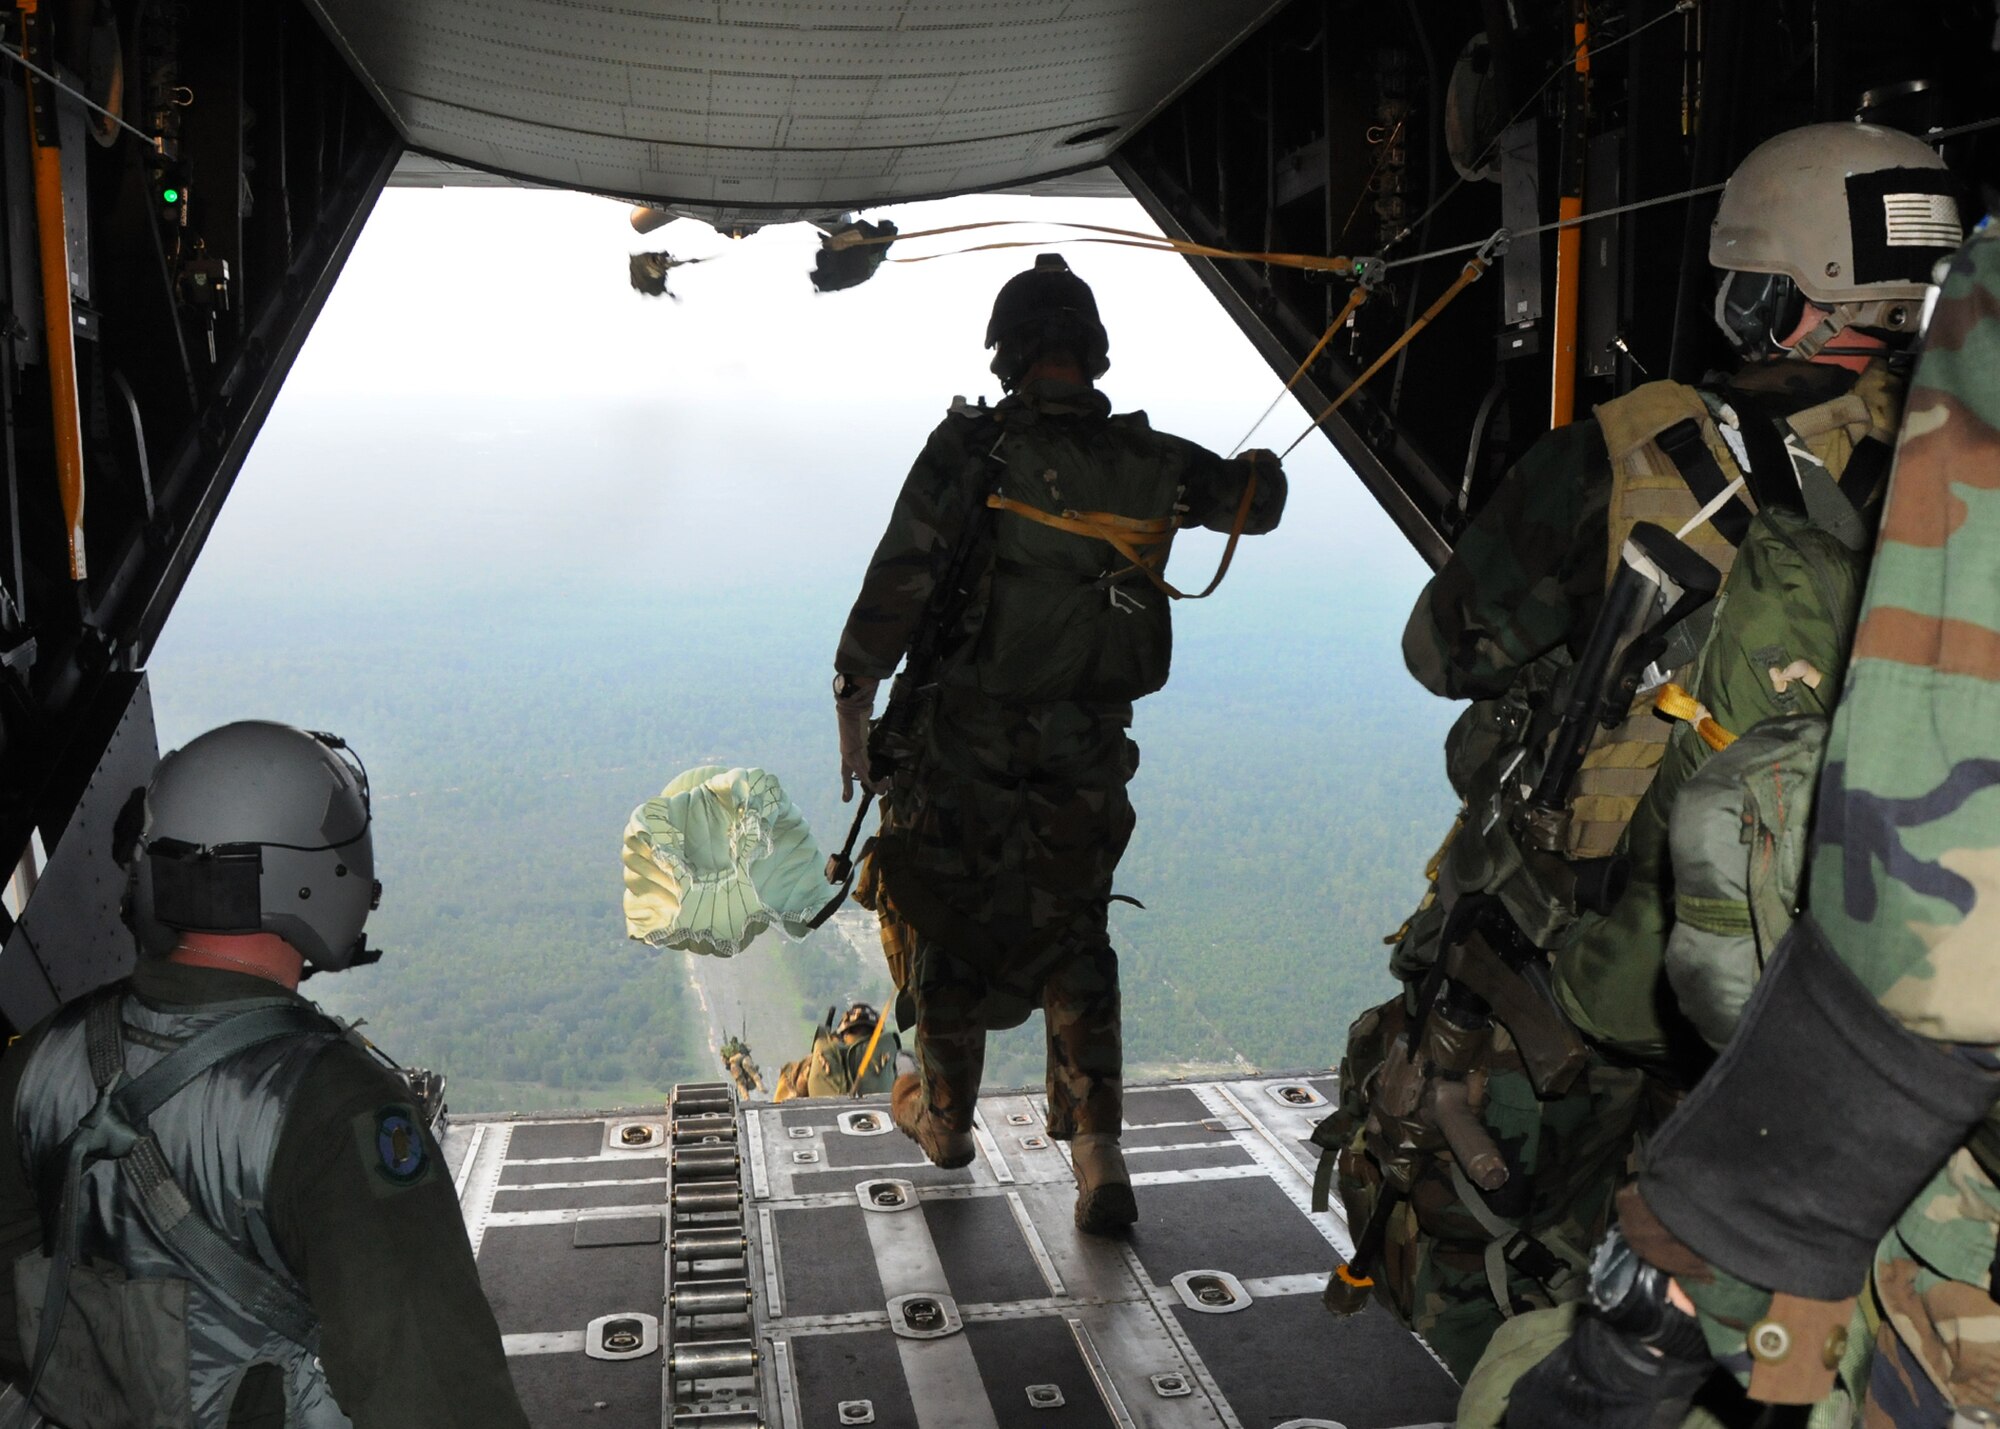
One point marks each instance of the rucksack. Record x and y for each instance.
(1738, 833)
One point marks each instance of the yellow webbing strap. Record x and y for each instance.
(1474, 267)
(1676, 703)
(1122, 237)
(1144, 543)
(1355, 299)
(868, 1057)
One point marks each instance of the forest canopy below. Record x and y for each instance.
(1290, 790)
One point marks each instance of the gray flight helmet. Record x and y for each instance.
(259, 827)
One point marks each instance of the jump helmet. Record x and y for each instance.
(1850, 217)
(1046, 309)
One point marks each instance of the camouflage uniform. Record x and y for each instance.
(1907, 858)
(1496, 625)
(992, 874)
(741, 1066)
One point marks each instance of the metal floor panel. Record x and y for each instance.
(885, 1291)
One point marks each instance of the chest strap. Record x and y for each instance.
(116, 1129)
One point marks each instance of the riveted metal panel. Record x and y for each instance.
(777, 102)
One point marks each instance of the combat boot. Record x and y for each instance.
(947, 1149)
(1104, 1201)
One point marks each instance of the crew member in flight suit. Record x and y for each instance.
(1005, 823)
(222, 1210)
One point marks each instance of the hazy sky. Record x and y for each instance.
(486, 400)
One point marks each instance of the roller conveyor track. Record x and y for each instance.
(800, 1265)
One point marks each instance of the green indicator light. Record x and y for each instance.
(170, 195)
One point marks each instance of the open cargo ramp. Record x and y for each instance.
(800, 1265)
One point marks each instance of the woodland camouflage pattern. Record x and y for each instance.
(1435, 1274)
(1496, 625)
(992, 875)
(1906, 872)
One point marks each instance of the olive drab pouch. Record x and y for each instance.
(121, 1351)
(1738, 833)
(1069, 617)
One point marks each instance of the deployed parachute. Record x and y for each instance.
(720, 856)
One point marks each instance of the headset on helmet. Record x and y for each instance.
(257, 827)
(1850, 217)
(1046, 309)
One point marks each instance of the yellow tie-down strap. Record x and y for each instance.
(1143, 542)
(1676, 703)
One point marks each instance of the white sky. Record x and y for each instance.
(484, 390)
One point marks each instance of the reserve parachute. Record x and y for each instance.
(719, 857)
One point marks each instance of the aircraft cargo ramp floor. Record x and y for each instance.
(799, 1266)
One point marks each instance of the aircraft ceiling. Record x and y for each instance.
(787, 103)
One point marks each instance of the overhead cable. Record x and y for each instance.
(80, 97)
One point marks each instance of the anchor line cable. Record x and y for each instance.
(80, 97)
(1510, 235)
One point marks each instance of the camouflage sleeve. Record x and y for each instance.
(1526, 575)
(1906, 868)
(923, 527)
(1213, 490)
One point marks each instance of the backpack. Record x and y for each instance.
(1067, 617)
(1777, 648)
(1738, 834)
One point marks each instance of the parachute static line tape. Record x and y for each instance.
(1121, 237)
(1474, 268)
(1354, 300)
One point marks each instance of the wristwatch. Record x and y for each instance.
(845, 687)
(1631, 1297)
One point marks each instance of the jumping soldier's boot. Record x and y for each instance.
(1104, 1201)
(946, 1149)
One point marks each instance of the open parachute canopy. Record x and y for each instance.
(720, 856)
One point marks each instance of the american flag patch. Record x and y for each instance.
(1922, 220)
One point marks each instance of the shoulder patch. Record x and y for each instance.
(393, 1141)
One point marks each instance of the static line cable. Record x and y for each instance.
(152, 142)
(1474, 268)
(1541, 228)
(1938, 136)
(1354, 300)
(1563, 67)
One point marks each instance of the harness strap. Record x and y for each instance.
(1676, 703)
(1685, 448)
(1866, 465)
(201, 1248)
(115, 1129)
(1145, 543)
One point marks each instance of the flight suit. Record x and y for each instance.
(366, 1222)
(1496, 625)
(992, 876)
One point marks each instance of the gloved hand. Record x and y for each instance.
(852, 712)
(1600, 1379)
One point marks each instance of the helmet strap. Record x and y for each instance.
(1828, 328)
